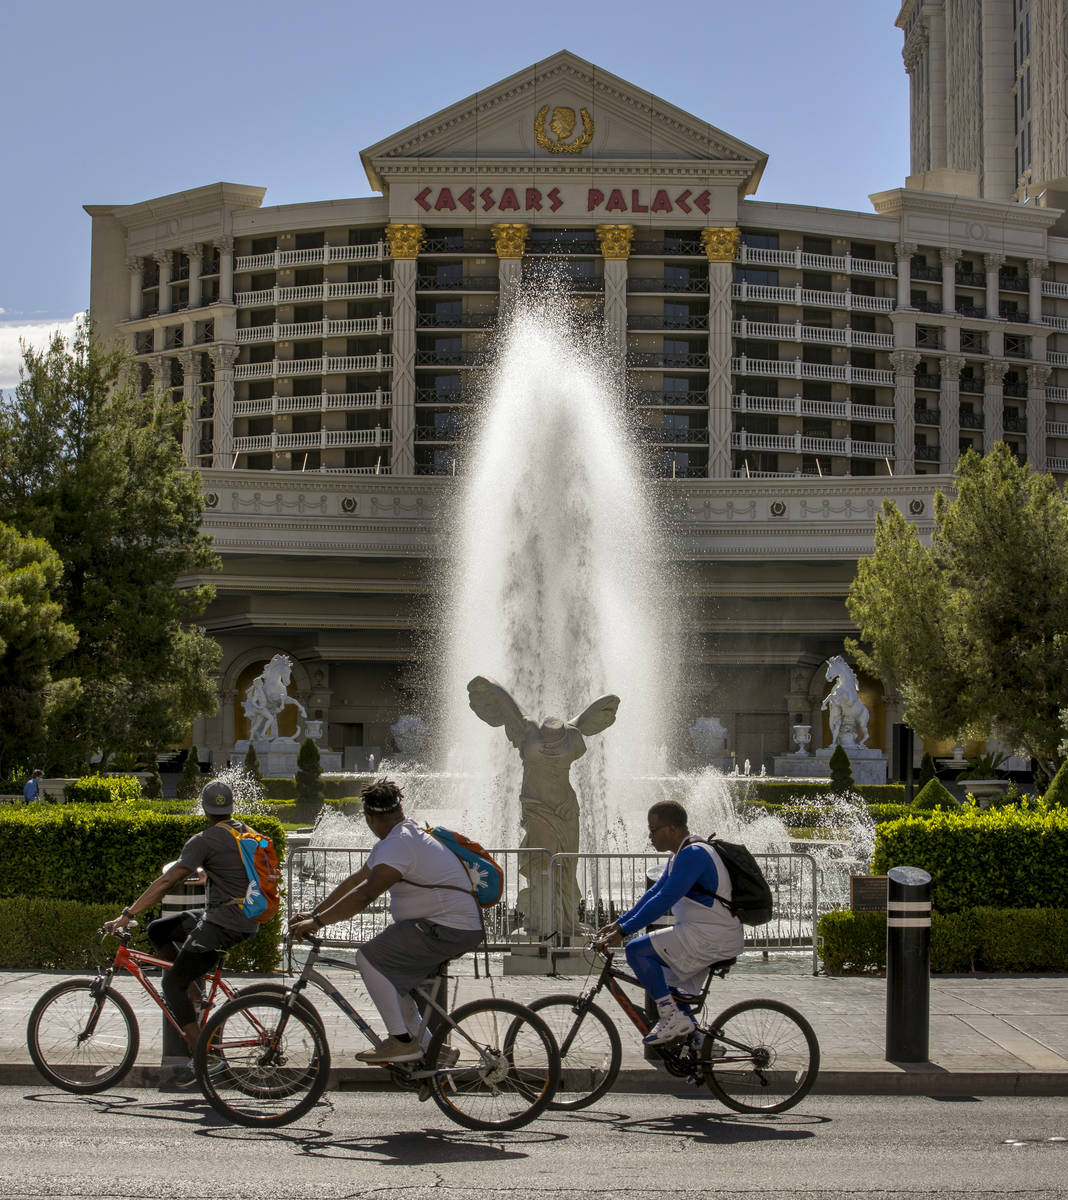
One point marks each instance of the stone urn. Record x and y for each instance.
(802, 736)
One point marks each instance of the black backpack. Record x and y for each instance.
(751, 899)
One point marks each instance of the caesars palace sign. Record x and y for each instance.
(517, 198)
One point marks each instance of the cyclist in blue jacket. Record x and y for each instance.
(696, 888)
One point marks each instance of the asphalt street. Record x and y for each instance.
(148, 1145)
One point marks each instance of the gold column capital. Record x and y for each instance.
(405, 241)
(615, 240)
(510, 239)
(721, 244)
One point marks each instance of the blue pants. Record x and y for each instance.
(648, 967)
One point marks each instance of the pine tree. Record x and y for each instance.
(189, 780)
(928, 770)
(152, 787)
(841, 772)
(309, 769)
(252, 766)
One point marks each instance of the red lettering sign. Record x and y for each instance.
(487, 199)
(421, 199)
(554, 199)
(635, 204)
(616, 203)
(681, 199)
(594, 199)
(702, 202)
(533, 200)
(508, 202)
(467, 199)
(661, 203)
(445, 201)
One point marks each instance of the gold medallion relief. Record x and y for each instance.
(562, 124)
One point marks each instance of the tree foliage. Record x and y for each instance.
(973, 632)
(33, 636)
(841, 772)
(95, 468)
(189, 780)
(309, 785)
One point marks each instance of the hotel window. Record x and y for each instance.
(760, 241)
(756, 275)
(673, 383)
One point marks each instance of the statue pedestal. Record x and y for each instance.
(278, 759)
(868, 765)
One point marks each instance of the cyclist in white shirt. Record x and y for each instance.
(435, 916)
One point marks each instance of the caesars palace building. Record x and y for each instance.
(790, 366)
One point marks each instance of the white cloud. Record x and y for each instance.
(34, 333)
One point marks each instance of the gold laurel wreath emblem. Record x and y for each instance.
(575, 147)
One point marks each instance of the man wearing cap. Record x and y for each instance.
(191, 940)
(434, 913)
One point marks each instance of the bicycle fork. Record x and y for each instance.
(97, 989)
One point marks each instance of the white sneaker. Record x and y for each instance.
(393, 1050)
(673, 1024)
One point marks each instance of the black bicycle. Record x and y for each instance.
(758, 1056)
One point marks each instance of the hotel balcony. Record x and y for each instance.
(457, 321)
(928, 381)
(660, 436)
(827, 372)
(659, 361)
(668, 324)
(668, 286)
(820, 334)
(324, 439)
(323, 402)
(799, 406)
(648, 398)
(280, 368)
(928, 416)
(467, 283)
(798, 443)
(315, 329)
(801, 260)
(450, 358)
(766, 293)
(311, 293)
(319, 257)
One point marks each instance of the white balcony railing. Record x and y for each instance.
(322, 439)
(1057, 393)
(796, 332)
(798, 406)
(323, 402)
(798, 443)
(315, 329)
(1056, 322)
(796, 369)
(313, 292)
(766, 293)
(1052, 288)
(1056, 359)
(801, 260)
(1058, 465)
(1057, 429)
(321, 256)
(281, 368)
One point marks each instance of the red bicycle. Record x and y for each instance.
(83, 1035)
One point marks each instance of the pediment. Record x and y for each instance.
(563, 114)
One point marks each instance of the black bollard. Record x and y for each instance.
(908, 964)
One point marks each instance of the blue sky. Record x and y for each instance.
(118, 102)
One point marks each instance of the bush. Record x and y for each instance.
(189, 780)
(841, 772)
(880, 813)
(346, 788)
(934, 795)
(1002, 858)
(308, 784)
(975, 939)
(103, 789)
(42, 934)
(797, 792)
(1057, 792)
(928, 770)
(152, 787)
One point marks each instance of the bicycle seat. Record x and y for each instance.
(696, 999)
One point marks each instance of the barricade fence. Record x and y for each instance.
(531, 913)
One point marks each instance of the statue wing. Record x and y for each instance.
(490, 702)
(597, 716)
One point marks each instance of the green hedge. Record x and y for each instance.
(777, 792)
(103, 789)
(333, 789)
(975, 939)
(999, 858)
(38, 934)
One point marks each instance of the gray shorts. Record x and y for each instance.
(410, 951)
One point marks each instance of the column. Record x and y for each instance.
(721, 245)
(157, 364)
(615, 241)
(195, 294)
(1036, 416)
(992, 262)
(164, 259)
(190, 381)
(993, 402)
(905, 363)
(1035, 267)
(404, 242)
(224, 358)
(510, 241)
(225, 246)
(136, 268)
(904, 252)
(935, 21)
(949, 279)
(949, 414)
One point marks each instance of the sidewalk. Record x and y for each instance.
(999, 1035)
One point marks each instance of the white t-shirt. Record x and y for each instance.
(408, 848)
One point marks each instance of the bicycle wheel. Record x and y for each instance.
(760, 1056)
(506, 1066)
(254, 1070)
(82, 1036)
(590, 1049)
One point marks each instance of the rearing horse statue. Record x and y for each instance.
(266, 698)
(847, 712)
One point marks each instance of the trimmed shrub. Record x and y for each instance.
(841, 772)
(152, 787)
(934, 795)
(189, 780)
(252, 765)
(881, 813)
(1002, 858)
(975, 939)
(309, 768)
(103, 789)
(1057, 792)
(928, 770)
(333, 789)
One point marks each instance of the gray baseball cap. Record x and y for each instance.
(217, 799)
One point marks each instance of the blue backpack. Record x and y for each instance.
(486, 875)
